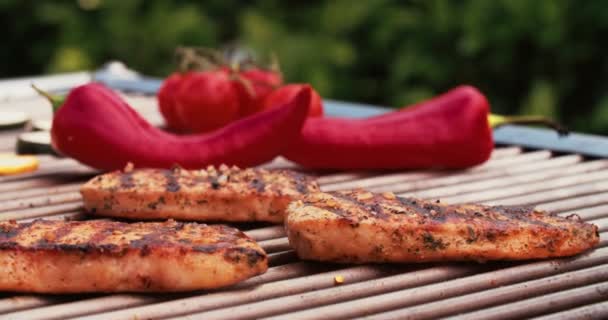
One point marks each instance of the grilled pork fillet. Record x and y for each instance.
(359, 226)
(223, 194)
(106, 256)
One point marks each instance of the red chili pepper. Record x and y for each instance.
(97, 128)
(453, 130)
(287, 92)
(450, 131)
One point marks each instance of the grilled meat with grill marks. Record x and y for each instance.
(360, 226)
(223, 194)
(105, 256)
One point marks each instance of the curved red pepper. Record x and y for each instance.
(450, 131)
(96, 127)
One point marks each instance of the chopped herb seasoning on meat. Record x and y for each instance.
(321, 227)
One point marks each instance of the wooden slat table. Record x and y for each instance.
(564, 182)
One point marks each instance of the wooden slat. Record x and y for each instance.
(466, 176)
(38, 212)
(65, 216)
(487, 189)
(503, 295)
(369, 180)
(282, 285)
(535, 198)
(31, 192)
(341, 177)
(445, 289)
(17, 303)
(267, 233)
(40, 201)
(274, 245)
(550, 302)
(32, 183)
(575, 203)
(593, 311)
(338, 294)
(111, 302)
(65, 167)
(589, 213)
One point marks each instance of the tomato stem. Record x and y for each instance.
(245, 82)
(196, 59)
(275, 65)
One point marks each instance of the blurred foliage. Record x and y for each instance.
(543, 57)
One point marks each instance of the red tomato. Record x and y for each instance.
(206, 101)
(284, 94)
(261, 84)
(166, 100)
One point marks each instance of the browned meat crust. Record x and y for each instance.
(360, 226)
(223, 194)
(106, 256)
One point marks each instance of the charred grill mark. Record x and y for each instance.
(172, 182)
(432, 210)
(100, 235)
(148, 241)
(472, 235)
(441, 213)
(335, 210)
(412, 204)
(519, 213)
(210, 248)
(303, 183)
(126, 180)
(215, 184)
(258, 184)
(49, 239)
(503, 218)
(252, 256)
(168, 235)
(142, 245)
(110, 247)
(71, 247)
(154, 205)
(228, 232)
(62, 231)
(44, 243)
(491, 235)
(10, 231)
(378, 211)
(157, 238)
(8, 245)
(373, 207)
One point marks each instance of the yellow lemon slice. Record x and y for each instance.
(14, 164)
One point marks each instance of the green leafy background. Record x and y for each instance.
(543, 57)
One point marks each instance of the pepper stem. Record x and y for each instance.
(496, 120)
(56, 101)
